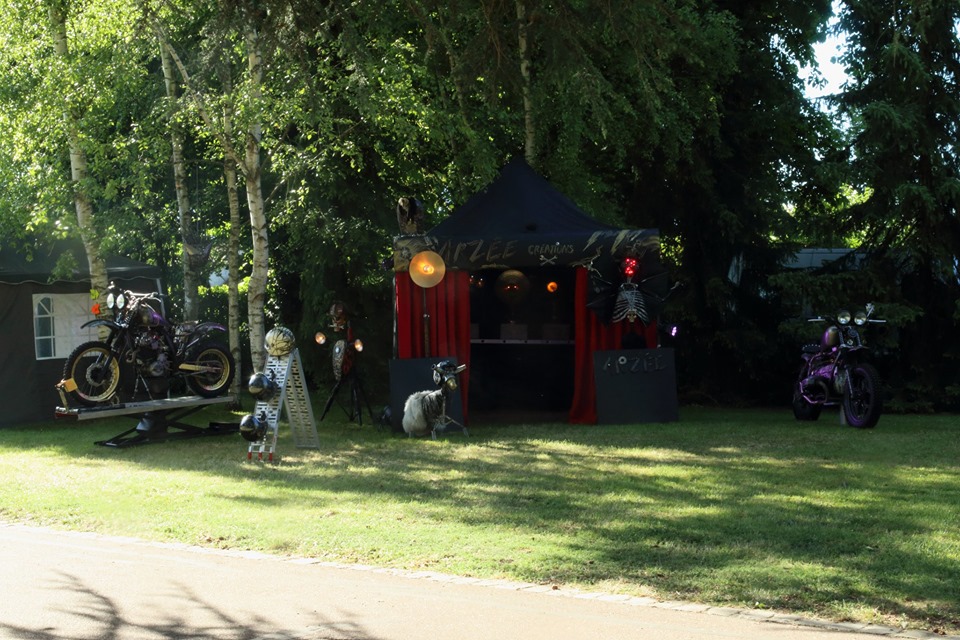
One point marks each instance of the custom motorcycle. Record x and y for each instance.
(159, 356)
(836, 372)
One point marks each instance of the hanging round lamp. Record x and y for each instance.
(427, 269)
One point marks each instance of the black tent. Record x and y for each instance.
(521, 220)
(40, 320)
(521, 226)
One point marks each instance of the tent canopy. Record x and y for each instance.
(521, 220)
(17, 267)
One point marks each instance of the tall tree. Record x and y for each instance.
(248, 161)
(72, 93)
(79, 168)
(251, 167)
(191, 300)
(719, 199)
(903, 103)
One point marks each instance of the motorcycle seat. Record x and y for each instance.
(811, 348)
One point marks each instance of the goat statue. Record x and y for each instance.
(426, 411)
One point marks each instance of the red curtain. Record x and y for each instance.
(448, 307)
(590, 335)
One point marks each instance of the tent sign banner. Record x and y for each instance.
(636, 386)
(533, 250)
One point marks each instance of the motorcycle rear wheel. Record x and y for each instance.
(862, 403)
(218, 369)
(95, 373)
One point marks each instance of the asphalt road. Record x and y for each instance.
(74, 586)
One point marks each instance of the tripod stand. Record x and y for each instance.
(444, 422)
(345, 370)
(356, 396)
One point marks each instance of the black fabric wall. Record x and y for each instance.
(28, 385)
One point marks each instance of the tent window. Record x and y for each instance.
(56, 324)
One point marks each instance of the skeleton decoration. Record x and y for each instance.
(426, 411)
(632, 288)
(631, 303)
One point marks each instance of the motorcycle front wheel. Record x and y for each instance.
(862, 402)
(214, 369)
(94, 372)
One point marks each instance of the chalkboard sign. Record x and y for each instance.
(635, 386)
(416, 374)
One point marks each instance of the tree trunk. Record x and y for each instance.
(250, 168)
(233, 244)
(78, 160)
(530, 140)
(257, 292)
(191, 276)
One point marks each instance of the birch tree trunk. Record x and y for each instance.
(530, 140)
(233, 242)
(191, 278)
(257, 292)
(56, 12)
(249, 166)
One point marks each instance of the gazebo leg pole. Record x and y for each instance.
(426, 325)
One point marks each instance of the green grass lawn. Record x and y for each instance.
(740, 508)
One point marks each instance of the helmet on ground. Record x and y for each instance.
(252, 428)
(279, 341)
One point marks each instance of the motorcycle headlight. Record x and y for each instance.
(116, 301)
(860, 318)
(843, 317)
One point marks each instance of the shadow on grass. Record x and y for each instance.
(745, 508)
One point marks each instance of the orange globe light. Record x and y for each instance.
(552, 287)
(427, 269)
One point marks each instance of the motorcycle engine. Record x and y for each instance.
(151, 354)
(840, 380)
(826, 371)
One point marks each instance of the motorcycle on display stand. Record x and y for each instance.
(836, 372)
(162, 357)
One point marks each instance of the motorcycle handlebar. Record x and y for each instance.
(869, 320)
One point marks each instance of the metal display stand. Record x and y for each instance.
(155, 419)
(287, 372)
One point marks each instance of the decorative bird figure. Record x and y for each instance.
(410, 216)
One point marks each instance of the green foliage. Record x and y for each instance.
(904, 112)
(680, 115)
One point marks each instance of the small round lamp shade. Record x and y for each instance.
(427, 269)
(512, 287)
(279, 341)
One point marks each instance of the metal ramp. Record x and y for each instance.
(287, 373)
